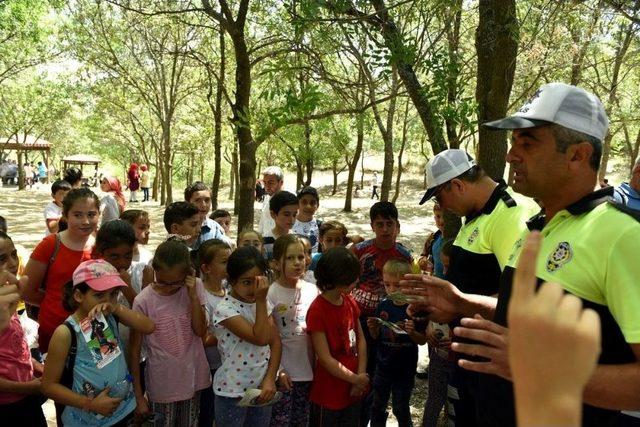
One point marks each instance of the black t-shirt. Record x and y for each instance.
(396, 352)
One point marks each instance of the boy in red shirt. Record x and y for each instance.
(339, 378)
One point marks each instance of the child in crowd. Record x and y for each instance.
(212, 261)
(53, 211)
(55, 258)
(373, 255)
(290, 297)
(113, 202)
(283, 207)
(144, 182)
(199, 194)
(3, 224)
(440, 367)
(332, 234)
(306, 224)
(183, 219)
(340, 379)
(429, 260)
(177, 368)
(114, 243)
(86, 369)
(20, 398)
(139, 220)
(222, 217)
(250, 237)
(308, 274)
(248, 342)
(397, 356)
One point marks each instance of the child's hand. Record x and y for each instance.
(190, 283)
(268, 388)
(356, 391)
(425, 264)
(103, 404)
(362, 381)
(142, 408)
(373, 325)
(105, 308)
(409, 326)
(262, 287)
(34, 386)
(285, 381)
(9, 297)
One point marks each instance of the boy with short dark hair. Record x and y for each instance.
(53, 211)
(283, 207)
(373, 254)
(183, 218)
(222, 217)
(306, 225)
(397, 355)
(200, 196)
(339, 377)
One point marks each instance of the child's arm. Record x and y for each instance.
(29, 387)
(135, 342)
(374, 327)
(258, 333)
(53, 224)
(30, 292)
(210, 340)
(362, 351)
(128, 292)
(148, 276)
(131, 318)
(417, 337)
(198, 317)
(268, 384)
(335, 368)
(51, 387)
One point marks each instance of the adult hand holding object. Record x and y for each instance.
(553, 346)
(428, 293)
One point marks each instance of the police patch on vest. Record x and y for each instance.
(516, 249)
(559, 257)
(473, 235)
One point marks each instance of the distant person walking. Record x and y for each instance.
(42, 172)
(144, 182)
(374, 187)
(134, 182)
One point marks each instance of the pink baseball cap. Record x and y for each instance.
(98, 274)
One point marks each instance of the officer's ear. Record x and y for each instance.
(579, 154)
(457, 185)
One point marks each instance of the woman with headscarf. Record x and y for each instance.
(134, 182)
(113, 202)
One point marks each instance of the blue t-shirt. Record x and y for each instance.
(314, 261)
(626, 195)
(100, 363)
(209, 230)
(436, 250)
(396, 352)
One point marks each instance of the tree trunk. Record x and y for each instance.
(21, 182)
(334, 170)
(497, 47)
(233, 168)
(621, 51)
(299, 172)
(387, 174)
(453, 43)
(362, 172)
(353, 164)
(577, 61)
(404, 141)
(168, 158)
(217, 137)
(308, 154)
(401, 55)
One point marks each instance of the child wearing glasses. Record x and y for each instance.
(177, 369)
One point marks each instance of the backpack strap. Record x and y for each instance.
(67, 373)
(52, 259)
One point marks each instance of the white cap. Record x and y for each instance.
(445, 166)
(568, 106)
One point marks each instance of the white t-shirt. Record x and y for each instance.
(309, 229)
(266, 223)
(109, 207)
(244, 365)
(51, 211)
(290, 306)
(212, 352)
(144, 255)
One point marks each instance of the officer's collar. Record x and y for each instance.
(584, 205)
(491, 204)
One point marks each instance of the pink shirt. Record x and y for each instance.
(15, 359)
(177, 366)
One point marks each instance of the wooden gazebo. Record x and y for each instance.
(23, 143)
(80, 160)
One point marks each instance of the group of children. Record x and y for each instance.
(298, 327)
